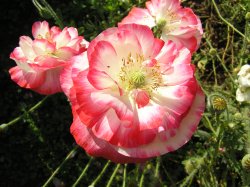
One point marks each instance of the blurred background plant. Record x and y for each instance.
(37, 149)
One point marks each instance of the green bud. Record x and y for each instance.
(238, 116)
(231, 125)
(247, 17)
(212, 52)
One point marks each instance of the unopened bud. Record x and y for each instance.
(247, 17)
(212, 52)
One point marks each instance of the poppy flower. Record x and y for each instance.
(40, 61)
(133, 96)
(175, 23)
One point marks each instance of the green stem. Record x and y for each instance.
(223, 65)
(113, 175)
(229, 24)
(142, 177)
(71, 153)
(101, 174)
(158, 161)
(47, 8)
(32, 109)
(215, 74)
(210, 125)
(124, 175)
(83, 172)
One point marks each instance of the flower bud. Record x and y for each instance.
(212, 52)
(237, 116)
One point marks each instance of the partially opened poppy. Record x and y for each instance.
(40, 61)
(133, 96)
(178, 24)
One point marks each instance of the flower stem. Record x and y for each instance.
(158, 161)
(32, 109)
(142, 177)
(210, 125)
(113, 175)
(48, 9)
(223, 65)
(229, 24)
(124, 175)
(101, 174)
(70, 154)
(83, 172)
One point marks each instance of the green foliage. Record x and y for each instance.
(38, 148)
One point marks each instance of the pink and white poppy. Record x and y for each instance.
(178, 24)
(40, 61)
(133, 96)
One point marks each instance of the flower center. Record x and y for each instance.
(137, 79)
(138, 73)
(169, 22)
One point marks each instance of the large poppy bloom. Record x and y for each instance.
(178, 24)
(133, 96)
(40, 61)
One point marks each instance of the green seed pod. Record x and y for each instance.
(212, 52)
(246, 162)
(217, 103)
(247, 17)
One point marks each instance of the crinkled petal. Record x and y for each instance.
(139, 16)
(43, 47)
(150, 46)
(62, 38)
(25, 79)
(95, 146)
(40, 29)
(162, 6)
(77, 64)
(51, 83)
(187, 127)
(26, 46)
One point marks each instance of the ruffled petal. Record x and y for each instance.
(95, 146)
(150, 46)
(182, 135)
(51, 82)
(160, 7)
(139, 16)
(104, 59)
(62, 38)
(43, 47)
(40, 29)
(65, 53)
(26, 46)
(25, 79)
(77, 64)
(175, 100)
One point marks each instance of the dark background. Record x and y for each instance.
(33, 147)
